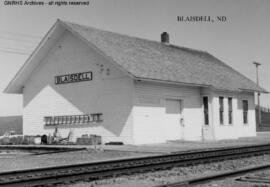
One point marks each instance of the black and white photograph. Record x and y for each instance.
(135, 93)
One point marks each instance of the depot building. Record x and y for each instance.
(131, 90)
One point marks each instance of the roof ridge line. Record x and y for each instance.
(134, 37)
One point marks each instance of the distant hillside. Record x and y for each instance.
(8, 123)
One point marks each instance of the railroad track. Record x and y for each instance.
(99, 170)
(218, 176)
(254, 179)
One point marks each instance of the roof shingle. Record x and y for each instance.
(155, 60)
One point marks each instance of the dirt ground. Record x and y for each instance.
(105, 152)
(20, 162)
(232, 182)
(178, 145)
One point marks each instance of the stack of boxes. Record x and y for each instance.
(89, 140)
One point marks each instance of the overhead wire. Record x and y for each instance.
(16, 39)
(14, 52)
(19, 39)
(21, 34)
(10, 48)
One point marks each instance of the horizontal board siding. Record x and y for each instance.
(109, 93)
(149, 112)
(237, 128)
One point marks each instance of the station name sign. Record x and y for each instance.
(74, 77)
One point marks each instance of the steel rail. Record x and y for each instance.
(98, 170)
(218, 176)
(253, 179)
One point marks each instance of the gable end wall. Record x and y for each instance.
(110, 93)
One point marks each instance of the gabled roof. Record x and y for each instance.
(154, 61)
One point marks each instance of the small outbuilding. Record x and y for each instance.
(131, 90)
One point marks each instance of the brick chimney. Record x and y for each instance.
(165, 38)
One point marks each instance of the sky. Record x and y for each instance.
(241, 39)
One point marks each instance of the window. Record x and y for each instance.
(245, 111)
(221, 110)
(230, 110)
(205, 110)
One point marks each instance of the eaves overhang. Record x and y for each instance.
(16, 85)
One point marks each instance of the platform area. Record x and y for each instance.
(178, 145)
(112, 152)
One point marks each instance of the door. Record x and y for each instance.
(174, 120)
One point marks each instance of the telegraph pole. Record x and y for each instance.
(259, 107)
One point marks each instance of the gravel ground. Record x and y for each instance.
(230, 182)
(19, 162)
(177, 174)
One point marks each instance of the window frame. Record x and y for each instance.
(206, 119)
(230, 110)
(245, 112)
(221, 112)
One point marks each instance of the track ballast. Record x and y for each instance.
(99, 170)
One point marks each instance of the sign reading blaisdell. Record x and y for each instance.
(74, 77)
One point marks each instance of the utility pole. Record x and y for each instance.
(259, 107)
